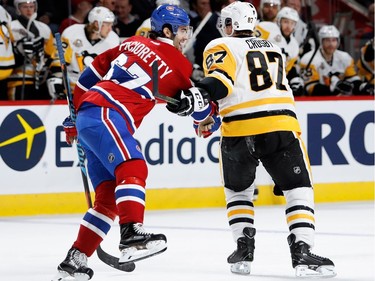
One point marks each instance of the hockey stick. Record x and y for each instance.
(313, 34)
(29, 22)
(155, 85)
(103, 256)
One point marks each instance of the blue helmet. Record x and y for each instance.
(169, 14)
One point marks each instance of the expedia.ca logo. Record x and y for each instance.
(22, 140)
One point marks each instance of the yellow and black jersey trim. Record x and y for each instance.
(260, 123)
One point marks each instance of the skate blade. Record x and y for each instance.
(133, 254)
(81, 277)
(64, 276)
(61, 276)
(303, 271)
(242, 267)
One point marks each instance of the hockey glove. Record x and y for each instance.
(193, 99)
(344, 87)
(366, 89)
(297, 85)
(70, 130)
(55, 88)
(34, 47)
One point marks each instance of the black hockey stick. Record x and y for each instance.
(155, 85)
(103, 256)
(312, 33)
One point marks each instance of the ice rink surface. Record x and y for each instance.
(199, 242)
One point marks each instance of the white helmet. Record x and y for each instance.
(101, 14)
(287, 13)
(328, 31)
(17, 2)
(274, 2)
(169, 2)
(241, 15)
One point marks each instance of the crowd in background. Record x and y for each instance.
(29, 66)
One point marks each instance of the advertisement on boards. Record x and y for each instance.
(34, 157)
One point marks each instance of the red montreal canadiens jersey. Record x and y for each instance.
(121, 77)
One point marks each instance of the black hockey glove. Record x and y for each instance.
(297, 86)
(366, 89)
(33, 47)
(193, 99)
(344, 87)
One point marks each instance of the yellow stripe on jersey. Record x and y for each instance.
(259, 102)
(260, 126)
(5, 73)
(261, 32)
(312, 77)
(290, 63)
(11, 58)
(350, 70)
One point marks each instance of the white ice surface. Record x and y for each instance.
(199, 242)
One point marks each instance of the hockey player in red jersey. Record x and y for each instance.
(111, 98)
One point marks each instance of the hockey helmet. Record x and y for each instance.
(101, 14)
(16, 3)
(328, 31)
(287, 13)
(170, 2)
(273, 2)
(241, 15)
(169, 15)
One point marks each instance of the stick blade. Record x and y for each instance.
(113, 261)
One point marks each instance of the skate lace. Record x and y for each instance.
(316, 256)
(139, 229)
(79, 259)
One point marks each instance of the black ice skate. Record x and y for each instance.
(241, 258)
(75, 265)
(308, 264)
(137, 244)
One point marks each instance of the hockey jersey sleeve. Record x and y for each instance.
(220, 71)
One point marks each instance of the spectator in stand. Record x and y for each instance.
(81, 8)
(268, 10)
(207, 30)
(6, 50)
(7, 5)
(109, 4)
(145, 28)
(329, 71)
(34, 52)
(46, 18)
(367, 32)
(143, 9)
(366, 69)
(127, 24)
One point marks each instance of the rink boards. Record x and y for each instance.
(39, 172)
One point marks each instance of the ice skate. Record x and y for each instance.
(74, 265)
(241, 258)
(137, 244)
(307, 264)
